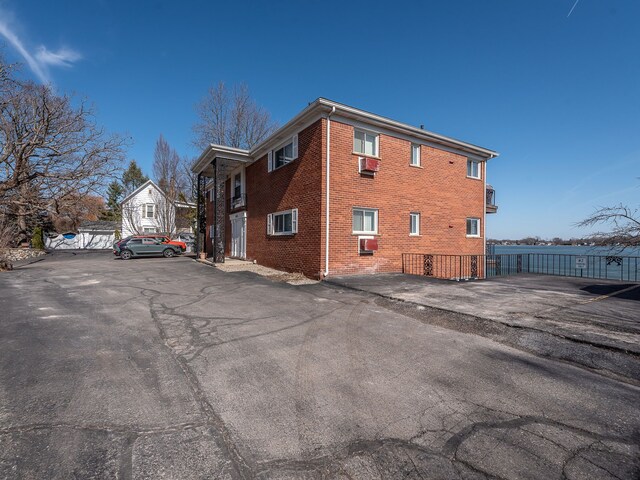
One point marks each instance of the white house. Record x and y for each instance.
(148, 210)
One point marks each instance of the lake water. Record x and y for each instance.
(566, 260)
(566, 250)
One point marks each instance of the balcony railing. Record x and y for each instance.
(238, 202)
(491, 200)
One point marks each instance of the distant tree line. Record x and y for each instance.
(588, 240)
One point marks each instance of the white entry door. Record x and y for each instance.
(239, 235)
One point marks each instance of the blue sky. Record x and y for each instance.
(557, 95)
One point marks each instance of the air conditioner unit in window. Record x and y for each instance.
(369, 166)
(368, 245)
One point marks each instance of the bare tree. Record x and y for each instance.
(51, 152)
(623, 223)
(231, 117)
(168, 170)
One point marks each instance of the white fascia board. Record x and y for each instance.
(213, 151)
(312, 113)
(320, 108)
(139, 189)
(425, 135)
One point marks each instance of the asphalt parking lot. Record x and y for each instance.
(166, 368)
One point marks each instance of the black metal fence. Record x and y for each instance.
(458, 267)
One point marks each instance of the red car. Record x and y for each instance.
(165, 239)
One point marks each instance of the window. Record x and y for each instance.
(149, 230)
(148, 210)
(237, 185)
(473, 227)
(365, 220)
(414, 223)
(284, 154)
(283, 223)
(473, 168)
(415, 155)
(365, 143)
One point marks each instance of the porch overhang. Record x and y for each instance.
(227, 158)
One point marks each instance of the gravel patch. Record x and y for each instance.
(270, 273)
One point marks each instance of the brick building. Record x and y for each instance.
(338, 190)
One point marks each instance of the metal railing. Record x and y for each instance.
(491, 197)
(238, 202)
(459, 267)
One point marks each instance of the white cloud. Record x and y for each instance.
(43, 58)
(62, 58)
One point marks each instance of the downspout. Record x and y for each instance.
(326, 235)
(484, 213)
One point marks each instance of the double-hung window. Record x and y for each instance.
(415, 155)
(473, 169)
(365, 220)
(283, 223)
(284, 154)
(414, 223)
(365, 143)
(148, 210)
(473, 227)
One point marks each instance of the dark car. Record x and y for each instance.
(141, 246)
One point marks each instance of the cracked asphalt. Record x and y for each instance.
(166, 368)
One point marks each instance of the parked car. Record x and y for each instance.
(147, 246)
(165, 239)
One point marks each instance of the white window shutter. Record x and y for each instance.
(294, 220)
(295, 146)
(270, 161)
(144, 210)
(270, 224)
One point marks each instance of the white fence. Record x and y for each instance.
(81, 241)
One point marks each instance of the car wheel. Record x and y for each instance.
(125, 254)
(168, 253)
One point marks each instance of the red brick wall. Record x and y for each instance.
(296, 185)
(440, 191)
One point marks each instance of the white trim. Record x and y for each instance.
(327, 211)
(470, 161)
(418, 157)
(271, 229)
(411, 215)
(139, 189)
(469, 235)
(376, 142)
(317, 110)
(293, 141)
(375, 221)
(484, 212)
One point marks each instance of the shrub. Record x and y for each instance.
(37, 241)
(117, 235)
